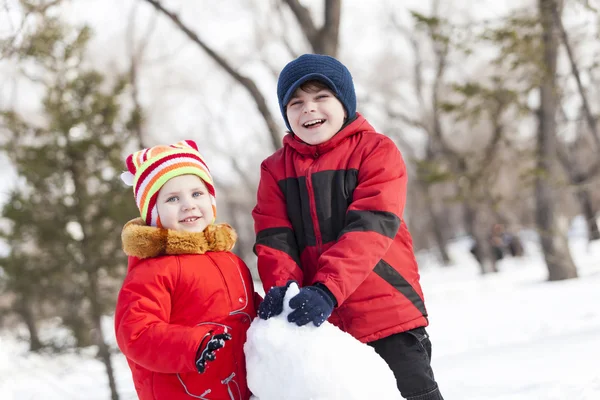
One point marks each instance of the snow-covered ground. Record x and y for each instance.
(514, 335)
(507, 336)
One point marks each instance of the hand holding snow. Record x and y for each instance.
(285, 361)
(272, 304)
(311, 304)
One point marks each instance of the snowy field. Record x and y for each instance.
(507, 336)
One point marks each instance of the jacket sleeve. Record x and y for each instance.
(372, 221)
(276, 246)
(142, 326)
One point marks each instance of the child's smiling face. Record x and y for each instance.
(315, 114)
(184, 204)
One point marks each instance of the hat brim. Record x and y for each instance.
(304, 79)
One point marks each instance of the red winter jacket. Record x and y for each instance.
(169, 304)
(331, 213)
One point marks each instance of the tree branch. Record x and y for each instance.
(418, 64)
(307, 25)
(575, 70)
(329, 33)
(136, 56)
(283, 36)
(414, 122)
(247, 83)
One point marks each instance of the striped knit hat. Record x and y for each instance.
(149, 169)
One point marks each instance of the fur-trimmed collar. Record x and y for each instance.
(142, 241)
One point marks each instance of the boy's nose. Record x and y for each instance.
(309, 107)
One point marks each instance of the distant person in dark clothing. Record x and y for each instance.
(501, 241)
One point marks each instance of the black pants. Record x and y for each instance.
(409, 356)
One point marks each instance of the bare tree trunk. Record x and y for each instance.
(323, 40)
(25, 310)
(236, 215)
(553, 237)
(590, 119)
(438, 233)
(436, 224)
(585, 201)
(86, 264)
(75, 322)
(103, 349)
(330, 31)
(481, 249)
(104, 353)
(583, 195)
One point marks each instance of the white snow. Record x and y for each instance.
(507, 336)
(289, 362)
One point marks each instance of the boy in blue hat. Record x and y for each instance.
(328, 216)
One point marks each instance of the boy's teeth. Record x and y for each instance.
(313, 122)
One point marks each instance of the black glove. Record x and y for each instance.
(313, 303)
(208, 348)
(272, 305)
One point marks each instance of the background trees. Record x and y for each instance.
(495, 116)
(63, 217)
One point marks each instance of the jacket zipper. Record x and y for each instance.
(317, 228)
(247, 294)
(313, 206)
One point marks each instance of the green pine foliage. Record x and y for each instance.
(63, 221)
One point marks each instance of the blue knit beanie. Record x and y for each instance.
(318, 67)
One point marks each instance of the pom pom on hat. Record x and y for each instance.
(149, 169)
(325, 69)
(127, 178)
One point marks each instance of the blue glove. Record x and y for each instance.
(313, 303)
(208, 348)
(272, 305)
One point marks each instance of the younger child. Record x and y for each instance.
(187, 301)
(329, 216)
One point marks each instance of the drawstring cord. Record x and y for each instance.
(201, 397)
(226, 381)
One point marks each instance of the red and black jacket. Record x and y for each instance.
(331, 213)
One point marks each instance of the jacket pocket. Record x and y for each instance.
(422, 339)
(208, 385)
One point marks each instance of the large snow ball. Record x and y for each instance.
(288, 362)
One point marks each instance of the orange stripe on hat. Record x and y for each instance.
(167, 173)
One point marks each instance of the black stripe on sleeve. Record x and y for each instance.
(282, 239)
(394, 278)
(385, 223)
